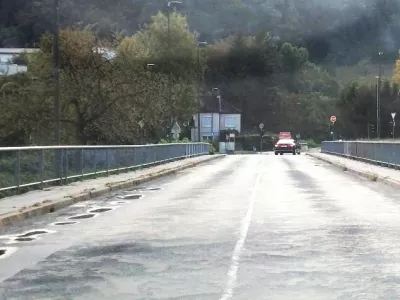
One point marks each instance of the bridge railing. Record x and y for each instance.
(378, 152)
(35, 167)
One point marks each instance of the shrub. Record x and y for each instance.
(311, 144)
(212, 149)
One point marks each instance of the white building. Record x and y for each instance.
(215, 115)
(7, 55)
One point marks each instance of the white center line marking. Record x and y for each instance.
(233, 269)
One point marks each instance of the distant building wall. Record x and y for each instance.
(7, 69)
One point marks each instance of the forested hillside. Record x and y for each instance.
(287, 63)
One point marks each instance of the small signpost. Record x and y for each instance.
(333, 120)
(261, 126)
(393, 122)
(141, 124)
(297, 136)
(175, 130)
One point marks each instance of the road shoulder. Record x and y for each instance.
(20, 207)
(371, 172)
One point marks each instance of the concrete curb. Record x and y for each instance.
(368, 175)
(45, 207)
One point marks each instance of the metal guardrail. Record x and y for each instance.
(30, 167)
(377, 152)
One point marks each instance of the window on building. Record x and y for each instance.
(206, 122)
(207, 138)
(230, 122)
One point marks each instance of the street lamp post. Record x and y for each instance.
(378, 97)
(199, 44)
(170, 5)
(377, 108)
(216, 90)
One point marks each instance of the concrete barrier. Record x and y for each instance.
(377, 152)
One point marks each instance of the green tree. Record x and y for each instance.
(26, 110)
(173, 55)
(293, 60)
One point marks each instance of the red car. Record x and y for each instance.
(287, 146)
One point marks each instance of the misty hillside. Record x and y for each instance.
(335, 32)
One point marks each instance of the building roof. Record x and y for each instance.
(212, 104)
(18, 50)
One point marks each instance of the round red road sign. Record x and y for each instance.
(333, 119)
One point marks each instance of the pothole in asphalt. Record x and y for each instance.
(131, 197)
(64, 223)
(2, 252)
(24, 239)
(82, 216)
(101, 210)
(33, 232)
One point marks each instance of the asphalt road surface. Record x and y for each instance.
(243, 227)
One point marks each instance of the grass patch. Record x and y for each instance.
(372, 177)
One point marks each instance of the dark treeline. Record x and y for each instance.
(340, 32)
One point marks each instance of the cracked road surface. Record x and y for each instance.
(243, 227)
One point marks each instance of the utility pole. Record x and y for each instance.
(56, 96)
(377, 108)
(169, 61)
(56, 72)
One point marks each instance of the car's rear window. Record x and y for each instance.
(285, 141)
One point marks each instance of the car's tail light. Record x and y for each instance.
(276, 145)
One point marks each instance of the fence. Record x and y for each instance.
(386, 153)
(35, 167)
